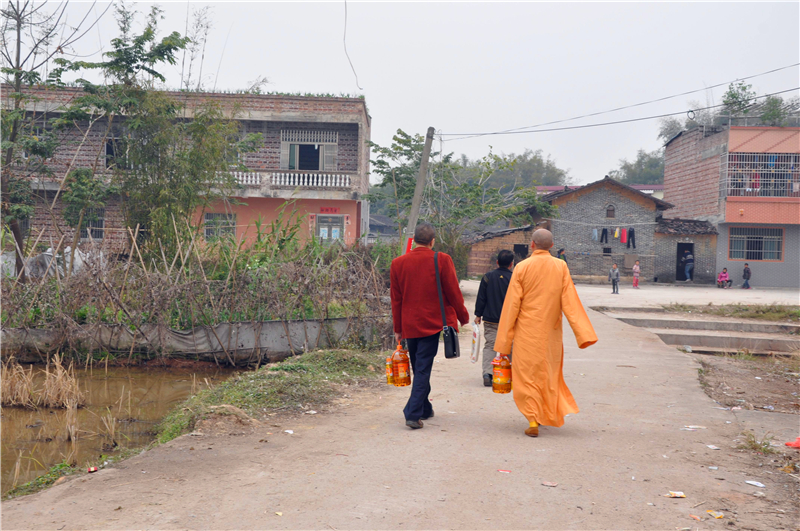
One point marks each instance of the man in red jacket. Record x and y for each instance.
(417, 316)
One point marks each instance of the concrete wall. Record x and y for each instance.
(705, 257)
(692, 175)
(483, 255)
(582, 211)
(784, 274)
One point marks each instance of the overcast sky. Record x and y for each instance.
(480, 67)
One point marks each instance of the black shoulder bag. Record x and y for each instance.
(451, 348)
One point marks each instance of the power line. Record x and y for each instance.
(344, 42)
(626, 106)
(518, 132)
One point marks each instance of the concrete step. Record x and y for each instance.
(754, 341)
(713, 351)
(683, 323)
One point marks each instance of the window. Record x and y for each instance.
(755, 244)
(93, 224)
(610, 211)
(111, 152)
(24, 226)
(309, 150)
(330, 228)
(606, 251)
(217, 225)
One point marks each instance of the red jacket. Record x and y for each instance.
(415, 301)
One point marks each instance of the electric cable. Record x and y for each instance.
(344, 42)
(645, 102)
(461, 136)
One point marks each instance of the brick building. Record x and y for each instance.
(315, 151)
(745, 181)
(484, 248)
(672, 237)
(606, 205)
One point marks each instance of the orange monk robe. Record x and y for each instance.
(540, 290)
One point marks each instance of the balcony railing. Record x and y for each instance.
(762, 174)
(290, 179)
(296, 179)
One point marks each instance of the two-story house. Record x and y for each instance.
(746, 182)
(315, 151)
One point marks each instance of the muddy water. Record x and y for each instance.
(137, 398)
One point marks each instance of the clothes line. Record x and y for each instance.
(607, 223)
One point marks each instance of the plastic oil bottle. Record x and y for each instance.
(401, 369)
(501, 374)
(389, 371)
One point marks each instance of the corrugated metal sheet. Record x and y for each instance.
(764, 140)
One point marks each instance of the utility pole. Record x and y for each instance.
(418, 190)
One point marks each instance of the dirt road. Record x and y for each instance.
(357, 466)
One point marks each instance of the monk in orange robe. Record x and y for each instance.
(540, 290)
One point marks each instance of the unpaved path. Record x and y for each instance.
(359, 467)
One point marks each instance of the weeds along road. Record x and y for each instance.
(357, 466)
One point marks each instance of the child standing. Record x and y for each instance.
(746, 276)
(636, 270)
(613, 276)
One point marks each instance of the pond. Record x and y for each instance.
(132, 400)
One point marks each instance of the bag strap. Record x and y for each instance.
(439, 288)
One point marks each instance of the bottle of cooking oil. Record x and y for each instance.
(389, 371)
(400, 367)
(501, 374)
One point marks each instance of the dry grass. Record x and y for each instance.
(16, 385)
(60, 388)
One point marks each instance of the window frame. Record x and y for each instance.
(97, 227)
(613, 210)
(218, 224)
(744, 239)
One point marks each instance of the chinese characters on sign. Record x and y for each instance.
(329, 210)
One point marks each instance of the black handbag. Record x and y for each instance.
(449, 335)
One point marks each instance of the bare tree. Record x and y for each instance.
(32, 35)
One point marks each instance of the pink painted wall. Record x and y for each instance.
(268, 208)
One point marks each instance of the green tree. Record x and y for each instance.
(82, 195)
(668, 128)
(773, 111)
(647, 168)
(738, 98)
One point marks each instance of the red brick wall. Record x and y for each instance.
(692, 174)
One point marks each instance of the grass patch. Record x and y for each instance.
(42, 482)
(311, 378)
(765, 312)
(751, 442)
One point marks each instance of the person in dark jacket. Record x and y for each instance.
(491, 295)
(746, 276)
(417, 315)
(562, 255)
(688, 264)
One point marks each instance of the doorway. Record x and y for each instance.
(680, 265)
(520, 253)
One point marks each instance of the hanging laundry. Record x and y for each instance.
(616, 233)
(604, 236)
(594, 235)
(631, 238)
(623, 237)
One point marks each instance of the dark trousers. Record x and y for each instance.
(604, 236)
(631, 238)
(615, 286)
(421, 350)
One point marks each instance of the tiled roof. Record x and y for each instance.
(684, 226)
(660, 205)
(488, 235)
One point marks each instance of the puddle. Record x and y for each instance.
(137, 398)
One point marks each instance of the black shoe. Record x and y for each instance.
(487, 380)
(428, 417)
(414, 424)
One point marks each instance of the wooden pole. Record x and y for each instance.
(420, 188)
